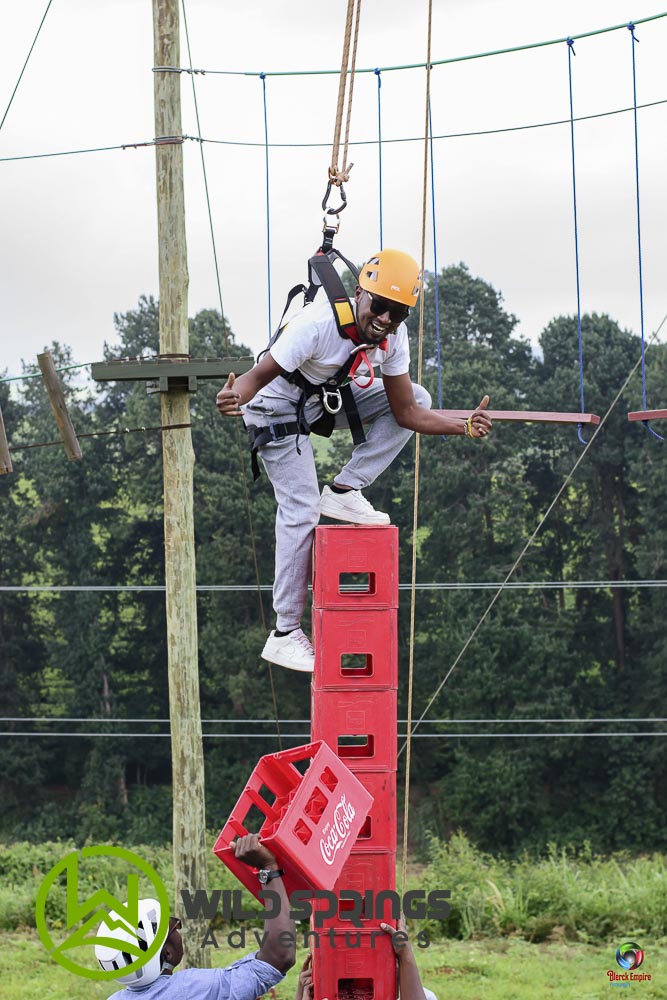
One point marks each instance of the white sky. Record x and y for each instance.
(79, 232)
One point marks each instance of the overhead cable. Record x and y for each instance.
(26, 63)
(435, 62)
(356, 142)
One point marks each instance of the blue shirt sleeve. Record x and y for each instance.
(244, 980)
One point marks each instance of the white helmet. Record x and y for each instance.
(144, 936)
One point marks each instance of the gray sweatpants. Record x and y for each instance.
(294, 480)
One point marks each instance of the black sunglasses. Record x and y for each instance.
(177, 926)
(379, 306)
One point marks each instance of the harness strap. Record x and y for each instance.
(260, 436)
(359, 358)
(352, 414)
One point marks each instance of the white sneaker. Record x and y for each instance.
(351, 506)
(293, 651)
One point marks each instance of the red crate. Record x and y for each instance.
(354, 965)
(312, 819)
(370, 718)
(369, 553)
(366, 892)
(379, 830)
(355, 648)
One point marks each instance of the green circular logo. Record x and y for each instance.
(83, 916)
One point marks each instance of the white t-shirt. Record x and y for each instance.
(311, 343)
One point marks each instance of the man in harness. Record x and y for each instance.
(299, 385)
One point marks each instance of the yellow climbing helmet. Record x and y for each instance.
(393, 275)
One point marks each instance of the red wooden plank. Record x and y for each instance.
(648, 415)
(530, 416)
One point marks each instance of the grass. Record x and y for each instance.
(492, 969)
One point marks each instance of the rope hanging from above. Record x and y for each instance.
(415, 512)
(570, 54)
(337, 176)
(634, 41)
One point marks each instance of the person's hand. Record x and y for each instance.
(228, 399)
(479, 423)
(251, 852)
(399, 940)
(304, 989)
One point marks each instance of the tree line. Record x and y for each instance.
(584, 653)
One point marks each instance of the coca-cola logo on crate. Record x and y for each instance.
(335, 833)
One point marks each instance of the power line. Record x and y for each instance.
(239, 722)
(299, 736)
(270, 722)
(433, 586)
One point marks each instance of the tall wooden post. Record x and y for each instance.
(178, 462)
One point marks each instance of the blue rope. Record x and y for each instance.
(631, 29)
(570, 53)
(435, 263)
(262, 77)
(377, 73)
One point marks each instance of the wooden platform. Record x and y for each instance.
(648, 415)
(533, 416)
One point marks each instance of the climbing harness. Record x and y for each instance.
(335, 393)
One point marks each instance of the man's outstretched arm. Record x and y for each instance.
(409, 413)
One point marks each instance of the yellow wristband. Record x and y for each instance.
(469, 426)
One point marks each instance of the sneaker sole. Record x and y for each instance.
(354, 520)
(280, 662)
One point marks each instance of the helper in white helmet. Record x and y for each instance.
(246, 979)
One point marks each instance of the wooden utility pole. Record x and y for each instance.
(189, 827)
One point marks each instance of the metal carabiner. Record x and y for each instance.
(335, 394)
(343, 198)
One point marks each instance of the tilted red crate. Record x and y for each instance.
(311, 819)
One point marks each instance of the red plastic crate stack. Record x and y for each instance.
(354, 705)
